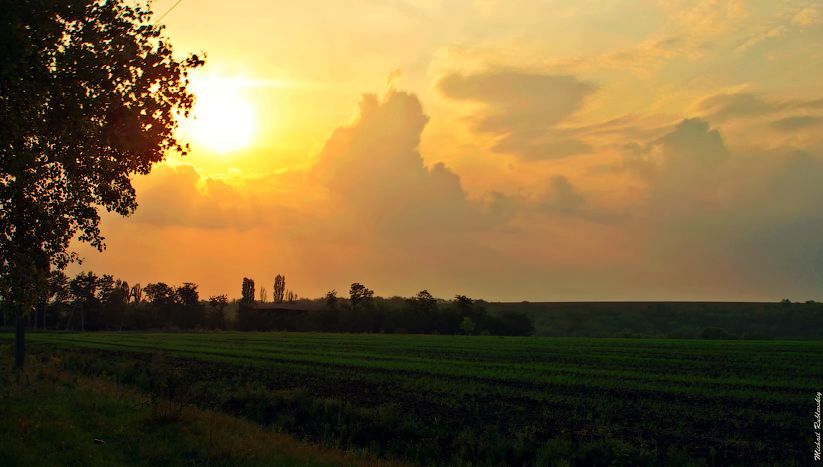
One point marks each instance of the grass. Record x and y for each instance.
(51, 417)
(481, 400)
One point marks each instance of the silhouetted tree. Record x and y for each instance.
(160, 294)
(89, 95)
(421, 313)
(331, 300)
(188, 314)
(464, 304)
(264, 295)
(83, 288)
(136, 293)
(248, 291)
(219, 303)
(279, 288)
(58, 296)
(187, 294)
(360, 296)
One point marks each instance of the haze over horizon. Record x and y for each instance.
(531, 150)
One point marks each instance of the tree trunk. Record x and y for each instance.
(19, 341)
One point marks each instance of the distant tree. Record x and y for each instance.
(219, 303)
(248, 291)
(123, 287)
(136, 293)
(360, 296)
(279, 288)
(331, 300)
(188, 313)
(57, 297)
(114, 296)
(425, 301)
(160, 294)
(89, 95)
(464, 304)
(105, 287)
(421, 316)
(83, 288)
(187, 294)
(264, 295)
(58, 286)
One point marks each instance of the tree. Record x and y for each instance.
(331, 300)
(219, 303)
(83, 288)
(248, 291)
(360, 296)
(160, 294)
(279, 288)
(136, 293)
(423, 310)
(264, 295)
(188, 313)
(187, 294)
(58, 294)
(464, 304)
(89, 94)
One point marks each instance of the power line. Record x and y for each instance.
(168, 11)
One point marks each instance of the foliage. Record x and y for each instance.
(89, 93)
(279, 289)
(360, 296)
(247, 291)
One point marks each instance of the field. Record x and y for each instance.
(481, 400)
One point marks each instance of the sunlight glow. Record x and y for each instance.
(223, 120)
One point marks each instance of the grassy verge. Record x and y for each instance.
(50, 417)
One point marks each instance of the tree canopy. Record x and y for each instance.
(90, 92)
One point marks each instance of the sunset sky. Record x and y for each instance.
(506, 150)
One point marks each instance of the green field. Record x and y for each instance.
(483, 400)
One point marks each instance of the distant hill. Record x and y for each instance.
(735, 320)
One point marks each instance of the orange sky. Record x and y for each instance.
(586, 150)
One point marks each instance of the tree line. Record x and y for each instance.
(91, 302)
(365, 313)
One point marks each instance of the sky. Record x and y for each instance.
(508, 150)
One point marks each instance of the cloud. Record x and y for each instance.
(727, 219)
(373, 170)
(797, 122)
(180, 197)
(808, 16)
(562, 196)
(748, 104)
(762, 36)
(692, 146)
(525, 110)
(708, 17)
(685, 215)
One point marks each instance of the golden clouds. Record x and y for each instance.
(525, 110)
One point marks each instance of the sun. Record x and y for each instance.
(223, 120)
